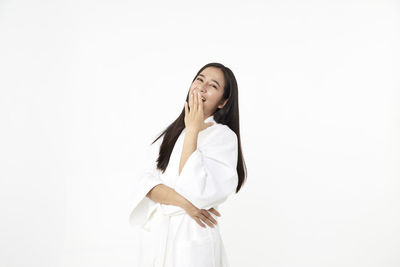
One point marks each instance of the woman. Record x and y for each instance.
(199, 166)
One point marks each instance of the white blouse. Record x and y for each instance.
(169, 236)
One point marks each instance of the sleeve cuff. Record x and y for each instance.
(142, 206)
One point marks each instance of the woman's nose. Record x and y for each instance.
(201, 88)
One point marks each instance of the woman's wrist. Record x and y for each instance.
(184, 203)
(192, 131)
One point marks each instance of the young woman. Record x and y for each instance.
(199, 165)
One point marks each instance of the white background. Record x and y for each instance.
(87, 85)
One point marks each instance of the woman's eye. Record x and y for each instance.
(202, 81)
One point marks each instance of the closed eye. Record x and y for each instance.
(202, 81)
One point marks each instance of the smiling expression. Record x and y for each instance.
(210, 83)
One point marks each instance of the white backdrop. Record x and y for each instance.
(86, 85)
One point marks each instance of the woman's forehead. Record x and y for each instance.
(213, 74)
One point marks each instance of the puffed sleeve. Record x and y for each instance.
(140, 205)
(209, 175)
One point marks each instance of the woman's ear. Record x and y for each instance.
(223, 104)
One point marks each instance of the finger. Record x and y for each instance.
(208, 215)
(196, 98)
(200, 103)
(205, 219)
(215, 212)
(199, 222)
(191, 100)
(186, 108)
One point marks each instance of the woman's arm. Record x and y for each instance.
(164, 194)
(194, 123)
(210, 174)
(189, 145)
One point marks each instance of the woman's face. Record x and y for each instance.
(210, 83)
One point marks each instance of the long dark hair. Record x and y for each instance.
(228, 115)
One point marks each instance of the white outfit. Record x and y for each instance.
(169, 236)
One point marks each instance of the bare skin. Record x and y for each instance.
(209, 84)
(166, 195)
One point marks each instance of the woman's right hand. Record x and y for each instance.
(200, 215)
(194, 118)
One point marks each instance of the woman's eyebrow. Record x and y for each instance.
(211, 80)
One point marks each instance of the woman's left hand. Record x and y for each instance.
(201, 215)
(194, 119)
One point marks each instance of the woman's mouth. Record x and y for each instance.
(202, 97)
